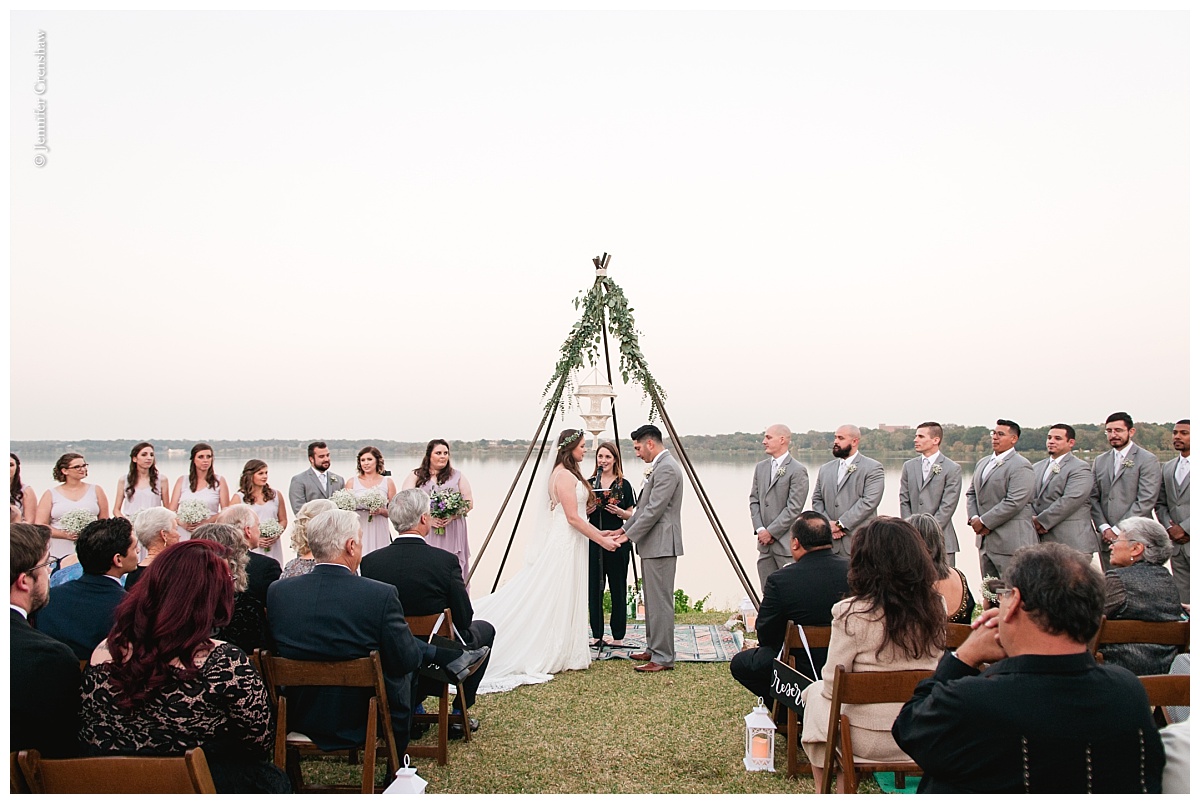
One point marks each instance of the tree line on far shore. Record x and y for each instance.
(958, 442)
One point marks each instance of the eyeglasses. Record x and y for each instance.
(80, 466)
(53, 563)
(998, 588)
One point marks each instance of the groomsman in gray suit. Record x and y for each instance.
(998, 501)
(1174, 509)
(1125, 482)
(931, 484)
(777, 497)
(1062, 497)
(656, 531)
(849, 488)
(316, 482)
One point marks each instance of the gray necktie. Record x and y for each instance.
(842, 472)
(1181, 471)
(925, 465)
(1116, 463)
(324, 482)
(987, 470)
(1046, 474)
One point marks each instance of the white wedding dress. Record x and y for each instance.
(541, 614)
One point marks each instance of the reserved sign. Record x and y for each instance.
(787, 684)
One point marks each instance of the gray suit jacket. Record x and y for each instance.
(1002, 503)
(857, 499)
(775, 502)
(1134, 491)
(305, 487)
(937, 496)
(1062, 505)
(655, 526)
(1174, 501)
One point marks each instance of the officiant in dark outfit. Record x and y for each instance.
(614, 505)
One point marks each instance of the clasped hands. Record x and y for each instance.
(618, 536)
(980, 528)
(983, 645)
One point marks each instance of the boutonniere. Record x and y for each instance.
(852, 468)
(1000, 462)
(936, 468)
(647, 471)
(779, 473)
(1128, 464)
(1055, 469)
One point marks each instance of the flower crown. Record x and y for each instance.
(571, 439)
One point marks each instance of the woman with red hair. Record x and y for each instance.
(160, 685)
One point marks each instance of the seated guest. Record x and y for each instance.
(803, 592)
(429, 580)
(247, 626)
(332, 614)
(160, 685)
(1177, 747)
(43, 678)
(303, 563)
(951, 583)
(81, 612)
(156, 529)
(262, 570)
(1139, 587)
(894, 621)
(1043, 717)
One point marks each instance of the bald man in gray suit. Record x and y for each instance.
(931, 484)
(1125, 482)
(1174, 509)
(777, 498)
(849, 488)
(998, 501)
(1062, 498)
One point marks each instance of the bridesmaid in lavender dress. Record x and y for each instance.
(436, 474)
(375, 530)
(254, 490)
(20, 494)
(143, 487)
(204, 484)
(70, 470)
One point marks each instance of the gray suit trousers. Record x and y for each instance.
(658, 584)
(778, 556)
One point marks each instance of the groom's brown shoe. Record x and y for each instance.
(652, 667)
(640, 656)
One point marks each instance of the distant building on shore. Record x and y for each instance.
(891, 428)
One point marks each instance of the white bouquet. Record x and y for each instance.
(192, 511)
(269, 529)
(75, 521)
(344, 499)
(373, 500)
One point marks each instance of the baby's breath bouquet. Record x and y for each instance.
(374, 499)
(269, 529)
(344, 500)
(192, 511)
(446, 504)
(75, 521)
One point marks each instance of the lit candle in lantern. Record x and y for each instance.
(760, 748)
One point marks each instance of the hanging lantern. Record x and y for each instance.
(407, 780)
(749, 614)
(591, 396)
(760, 740)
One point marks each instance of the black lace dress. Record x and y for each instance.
(224, 709)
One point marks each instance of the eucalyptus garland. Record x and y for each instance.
(584, 341)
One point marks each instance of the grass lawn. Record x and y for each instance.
(605, 730)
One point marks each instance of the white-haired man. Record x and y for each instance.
(262, 570)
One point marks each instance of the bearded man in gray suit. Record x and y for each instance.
(1062, 497)
(998, 501)
(1174, 509)
(849, 488)
(657, 533)
(931, 484)
(1125, 482)
(777, 498)
(316, 482)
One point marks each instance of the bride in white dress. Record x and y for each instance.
(541, 615)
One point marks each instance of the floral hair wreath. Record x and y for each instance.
(571, 439)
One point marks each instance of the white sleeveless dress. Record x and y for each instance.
(541, 614)
(210, 496)
(60, 548)
(270, 510)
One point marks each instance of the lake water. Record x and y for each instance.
(703, 570)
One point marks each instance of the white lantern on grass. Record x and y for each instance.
(407, 780)
(749, 614)
(760, 740)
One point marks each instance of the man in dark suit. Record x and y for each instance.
(803, 592)
(429, 581)
(43, 679)
(82, 611)
(1044, 717)
(332, 614)
(262, 571)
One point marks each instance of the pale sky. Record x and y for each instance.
(372, 225)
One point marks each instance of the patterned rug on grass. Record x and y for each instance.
(693, 643)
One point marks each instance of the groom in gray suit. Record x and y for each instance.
(931, 484)
(1125, 482)
(777, 498)
(1174, 509)
(316, 482)
(1062, 497)
(656, 531)
(849, 488)
(998, 501)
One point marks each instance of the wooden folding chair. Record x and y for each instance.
(956, 634)
(16, 780)
(366, 673)
(120, 775)
(421, 628)
(1167, 690)
(793, 652)
(1173, 632)
(895, 686)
